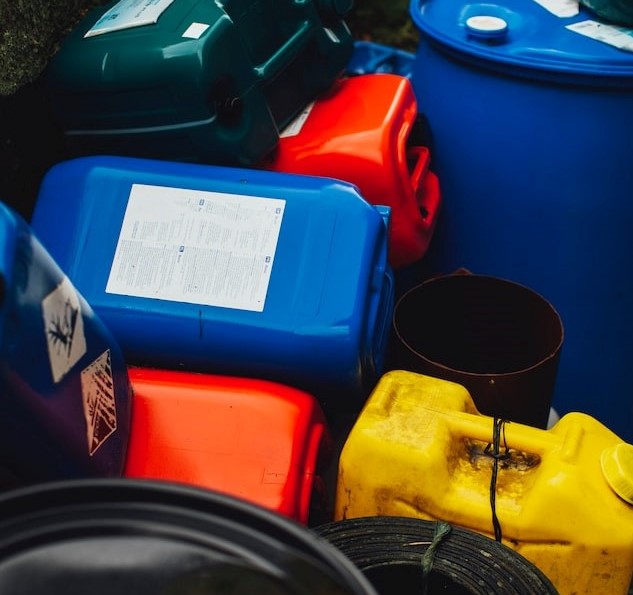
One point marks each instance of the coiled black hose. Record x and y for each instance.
(140, 537)
(413, 556)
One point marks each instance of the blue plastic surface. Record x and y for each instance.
(536, 178)
(328, 305)
(64, 390)
(369, 57)
(536, 40)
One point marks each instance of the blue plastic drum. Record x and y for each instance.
(65, 395)
(532, 126)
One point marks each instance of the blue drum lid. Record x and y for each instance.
(520, 33)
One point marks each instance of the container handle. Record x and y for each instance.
(425, 183)
(421, 156)
(284, 55)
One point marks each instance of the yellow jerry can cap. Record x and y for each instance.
(617, 467)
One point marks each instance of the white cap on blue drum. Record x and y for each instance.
(486, 26)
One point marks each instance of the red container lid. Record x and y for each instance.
(253, 439)
(364, 131)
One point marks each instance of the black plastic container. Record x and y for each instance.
(406, 556)
(499, 339)
(127, 537)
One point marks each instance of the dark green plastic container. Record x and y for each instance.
(618, 12)
(202, 81)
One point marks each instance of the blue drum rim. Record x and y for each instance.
(547, 60)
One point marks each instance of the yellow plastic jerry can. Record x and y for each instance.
(562, 498)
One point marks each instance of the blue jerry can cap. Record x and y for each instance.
(522, 34)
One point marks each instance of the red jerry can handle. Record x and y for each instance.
(425, 184)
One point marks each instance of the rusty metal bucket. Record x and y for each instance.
(499, 339)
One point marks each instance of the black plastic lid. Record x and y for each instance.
(128, 537)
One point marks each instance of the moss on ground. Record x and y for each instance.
(384, 21)
(31, 31)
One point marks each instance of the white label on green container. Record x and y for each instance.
(128, 14)
(560, 8)
(619, 37)
(64, 328)
(295, 127)
(97, 391)
(196, 246)
(195, 30)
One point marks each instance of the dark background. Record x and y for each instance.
(384, 21)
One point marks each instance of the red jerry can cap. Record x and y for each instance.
(364, 131)
(253, 439)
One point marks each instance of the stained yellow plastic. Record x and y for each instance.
(418, 449)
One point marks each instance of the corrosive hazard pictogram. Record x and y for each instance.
(64, 328)
(97, 389)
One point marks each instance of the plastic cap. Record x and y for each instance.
(617, 467)
(486, 26)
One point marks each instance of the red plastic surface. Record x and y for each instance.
(361, 132)
(253, 439)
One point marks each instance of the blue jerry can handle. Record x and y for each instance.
(385, 213)
(382, 287)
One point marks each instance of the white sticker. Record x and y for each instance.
(486, 24)
(196, 246)
(619, 37)
(560, 8)
(295, 127)
(127, 14)
(64, 328)
(97, 390)
(195, 30)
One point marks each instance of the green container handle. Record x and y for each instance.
(285, 54)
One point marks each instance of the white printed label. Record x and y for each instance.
(97, 390)
(64, 328)
(127, 14)
(195, 30)
(619, 37)
(197, 247)
(560, 8)
(295, 127)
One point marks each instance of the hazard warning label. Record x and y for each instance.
(64, 328)
(97, 389)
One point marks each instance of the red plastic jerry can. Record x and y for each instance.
(365, 131)
(253, 439)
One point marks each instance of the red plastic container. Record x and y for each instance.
(365, 131)
(257, 440)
